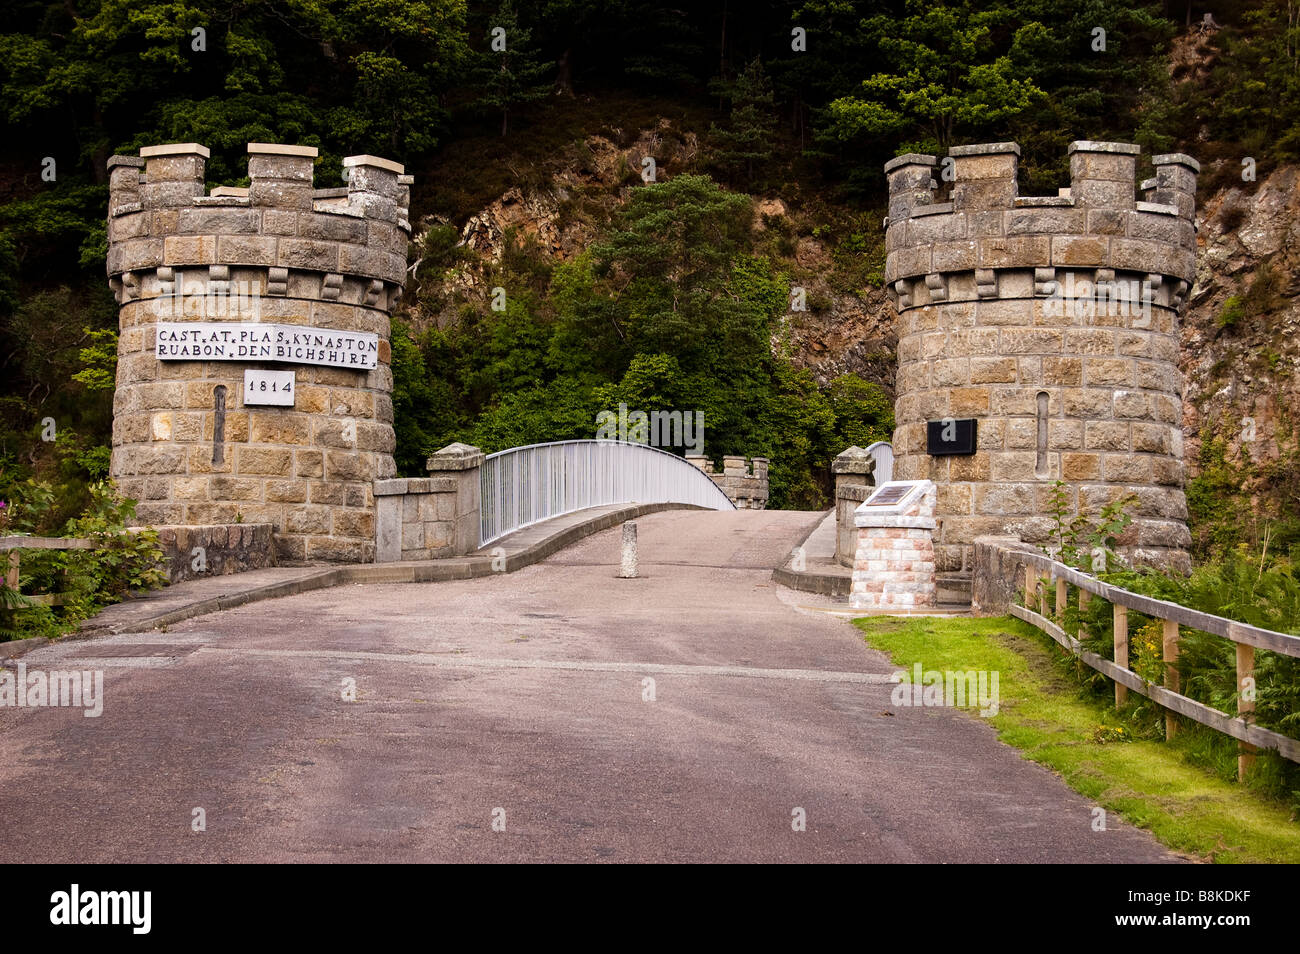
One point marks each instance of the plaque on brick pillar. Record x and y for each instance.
(893, 569)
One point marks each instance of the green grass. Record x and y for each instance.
(1058, 723)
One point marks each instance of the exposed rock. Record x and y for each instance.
(1241, 380)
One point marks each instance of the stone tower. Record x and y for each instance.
(1052, 323)
(253, 381)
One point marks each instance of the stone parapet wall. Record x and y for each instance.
(847, 500)
(854, 473)
(993, 324)
(745, 485)
(196, 552)
(434, 517)
(186, 442)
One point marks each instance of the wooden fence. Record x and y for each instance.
(16, 545)
(1041, 572)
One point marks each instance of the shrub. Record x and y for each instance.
(121, 562)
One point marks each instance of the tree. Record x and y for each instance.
(747, 142)
(949, 68)
(510, 71)
(668, 264)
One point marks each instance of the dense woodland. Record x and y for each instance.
(679, 302)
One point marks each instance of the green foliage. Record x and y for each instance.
(949, 69)
(1233, 311)
(1075, 538)
(864, 412)
(1252, 588)
(1251, 99)
(509, 72)
(745, 147)
(120, 563)
(98, 360)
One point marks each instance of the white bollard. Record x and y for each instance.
(628, 569)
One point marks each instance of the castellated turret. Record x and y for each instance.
(253, 381)
(1051, 324)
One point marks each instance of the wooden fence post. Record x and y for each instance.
(11, 574)
(1084, 597)
(1245, 707)
(1172, 680)
(1042, 594)
(1120, 617)
(1062, 597)
(1031, 584)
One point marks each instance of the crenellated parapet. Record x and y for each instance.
(1051, 323)
(987, 228)
(346, 244)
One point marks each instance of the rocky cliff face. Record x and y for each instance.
(1240, 341)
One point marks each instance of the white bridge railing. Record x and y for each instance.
(523, 485)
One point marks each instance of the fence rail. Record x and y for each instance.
(1042, 571)
(16, 544)
(525, 485)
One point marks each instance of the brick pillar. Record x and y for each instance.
(853, 468)
(984, 176)
(893, 572)
(1102, 173)
(461, 463)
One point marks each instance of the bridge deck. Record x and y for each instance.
(526, 692)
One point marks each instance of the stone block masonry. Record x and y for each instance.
(430, 518)
(745, 483)
(854, 471)
(235, 266)
(195, 552)
(1053, 322)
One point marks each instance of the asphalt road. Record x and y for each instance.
(520, 703)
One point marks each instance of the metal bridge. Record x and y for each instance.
(524, 485)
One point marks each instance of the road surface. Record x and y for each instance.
(510, 719)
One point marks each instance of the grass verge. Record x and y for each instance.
(1058, 723)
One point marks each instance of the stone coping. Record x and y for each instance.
(1157, 207)
(1176, 159)
(455, 457)
(985, 149)
(877, 521)
(1091, 145)
(175, 149)
(910, 159)
(376, 162)
(1040, 202)
(281, 149)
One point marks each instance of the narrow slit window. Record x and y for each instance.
(1040, 464)
(219, 425)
